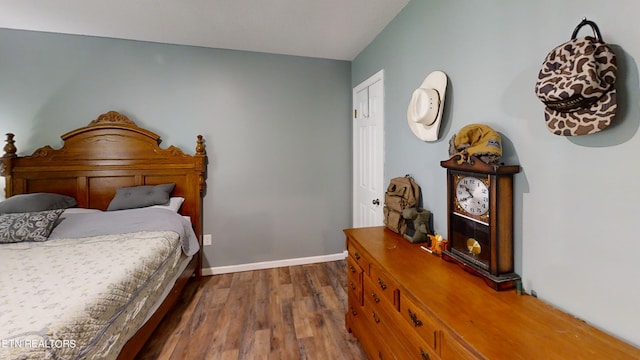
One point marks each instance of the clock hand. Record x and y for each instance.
(467, 190)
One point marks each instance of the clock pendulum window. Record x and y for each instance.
(480, 219)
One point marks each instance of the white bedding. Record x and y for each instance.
(75, 298)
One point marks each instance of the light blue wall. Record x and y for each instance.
(277, 128)
(576, 199)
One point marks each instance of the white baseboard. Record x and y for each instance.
(273, 264)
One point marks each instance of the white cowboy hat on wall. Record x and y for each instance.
(425, 108)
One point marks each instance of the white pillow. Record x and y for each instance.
(174, 204)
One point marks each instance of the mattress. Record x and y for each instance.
(85, 297)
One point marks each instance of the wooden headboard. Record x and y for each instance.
(110, 152)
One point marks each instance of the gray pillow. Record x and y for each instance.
(36, 202)
(141, 196)
(30, 226)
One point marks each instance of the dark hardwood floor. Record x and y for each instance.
(292, 312)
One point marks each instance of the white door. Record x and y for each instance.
(368, 152)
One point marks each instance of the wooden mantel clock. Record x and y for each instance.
(480, 219)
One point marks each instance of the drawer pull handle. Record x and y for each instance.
(353, 286)
(383, 286)
(424, 355)
(416, 322)
(375, 297)
(375, 318)
(353, 270)
(357, 255)
(353, 311)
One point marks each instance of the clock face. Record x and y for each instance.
(472, 195)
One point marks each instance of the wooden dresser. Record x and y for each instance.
(405, 303)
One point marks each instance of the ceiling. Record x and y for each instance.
(332, 29)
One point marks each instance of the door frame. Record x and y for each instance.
(377, 77)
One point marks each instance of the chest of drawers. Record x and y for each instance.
(405, 303)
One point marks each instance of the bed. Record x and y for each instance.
(99, 279)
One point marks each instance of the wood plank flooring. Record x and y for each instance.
(292, 312)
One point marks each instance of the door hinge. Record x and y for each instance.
(355, 113)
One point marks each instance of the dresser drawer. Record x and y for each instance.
(385, 286)
(421, 322)
(404, 337)
(453, 350)
(354, 280)
(358, 256)
(374, 348)
(370, 340)
(354, 314)
(361, 329)
(382, 323)
(421, 350)
(372, 293)
(415, 345)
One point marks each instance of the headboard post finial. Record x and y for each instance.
(10, 152)
(201, 153)
(10, 147)
(200, 148)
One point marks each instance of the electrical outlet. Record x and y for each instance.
(207, 239)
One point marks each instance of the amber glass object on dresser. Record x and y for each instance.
(405, 303)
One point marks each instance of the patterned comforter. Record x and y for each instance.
(75, 298)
